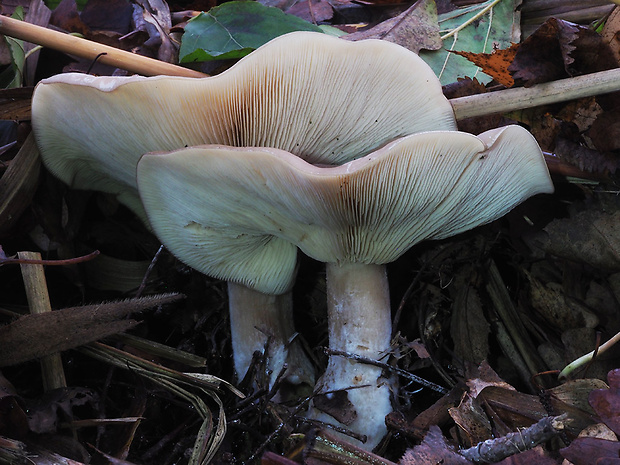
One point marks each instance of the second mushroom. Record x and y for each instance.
(355, 217)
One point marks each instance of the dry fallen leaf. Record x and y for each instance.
(34, 336)
(415, 28)
(611, 33)
(590, 237)
(494, 64)
(433, 450)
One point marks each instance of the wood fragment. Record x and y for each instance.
(90, 50)
(495, 450)
(39, 303)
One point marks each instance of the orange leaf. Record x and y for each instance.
(494, 64)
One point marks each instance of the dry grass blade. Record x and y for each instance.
(19, 183)
(182, 385)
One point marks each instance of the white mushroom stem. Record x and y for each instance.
(358, 305)
(254, 318)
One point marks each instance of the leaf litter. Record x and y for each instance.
(488, 315)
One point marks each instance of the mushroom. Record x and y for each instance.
(324, 99)
(207, 202)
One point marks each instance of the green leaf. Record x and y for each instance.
(497, 27)
(234, 29)
(12, 77)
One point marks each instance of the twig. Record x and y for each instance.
(39, 302)
(149, 270)
(88, 49)
(495, 450)
(518, 98)
(385, 366)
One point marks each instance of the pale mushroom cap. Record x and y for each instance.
(224, 210)
(322, 98)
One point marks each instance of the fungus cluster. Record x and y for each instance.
(230, 173)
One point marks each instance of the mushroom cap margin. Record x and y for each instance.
(211, 205)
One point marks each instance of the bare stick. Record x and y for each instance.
(88, 49)
(519, 98)
(495, 450)
(39, 302)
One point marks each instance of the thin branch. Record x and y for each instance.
(88, 49)
(496, 450)
(518, 98)
(385, 366)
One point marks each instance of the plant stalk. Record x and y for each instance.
(518, 98)
(39, 302)
(90, 50)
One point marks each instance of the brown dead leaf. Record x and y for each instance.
(611, 34)
(107, 15)
(536, 456)
(314, 11)
(559, 49)
(589, 451)
(338, 405)
(494, 64)
(576, 392)
(483, 377)
(470, 415)
(606, 402)
(592, 161)
(66, 17)
(518, 410)
(557, 309)
(13, 420)
(433, 450)
(541, 56)
(581, 112)
(591, 237)
(45, 413)
(33, 336)
(473, 422)
(154, 20)
(605, 131)
(15, 103)
(415, 28)
(437, 414)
